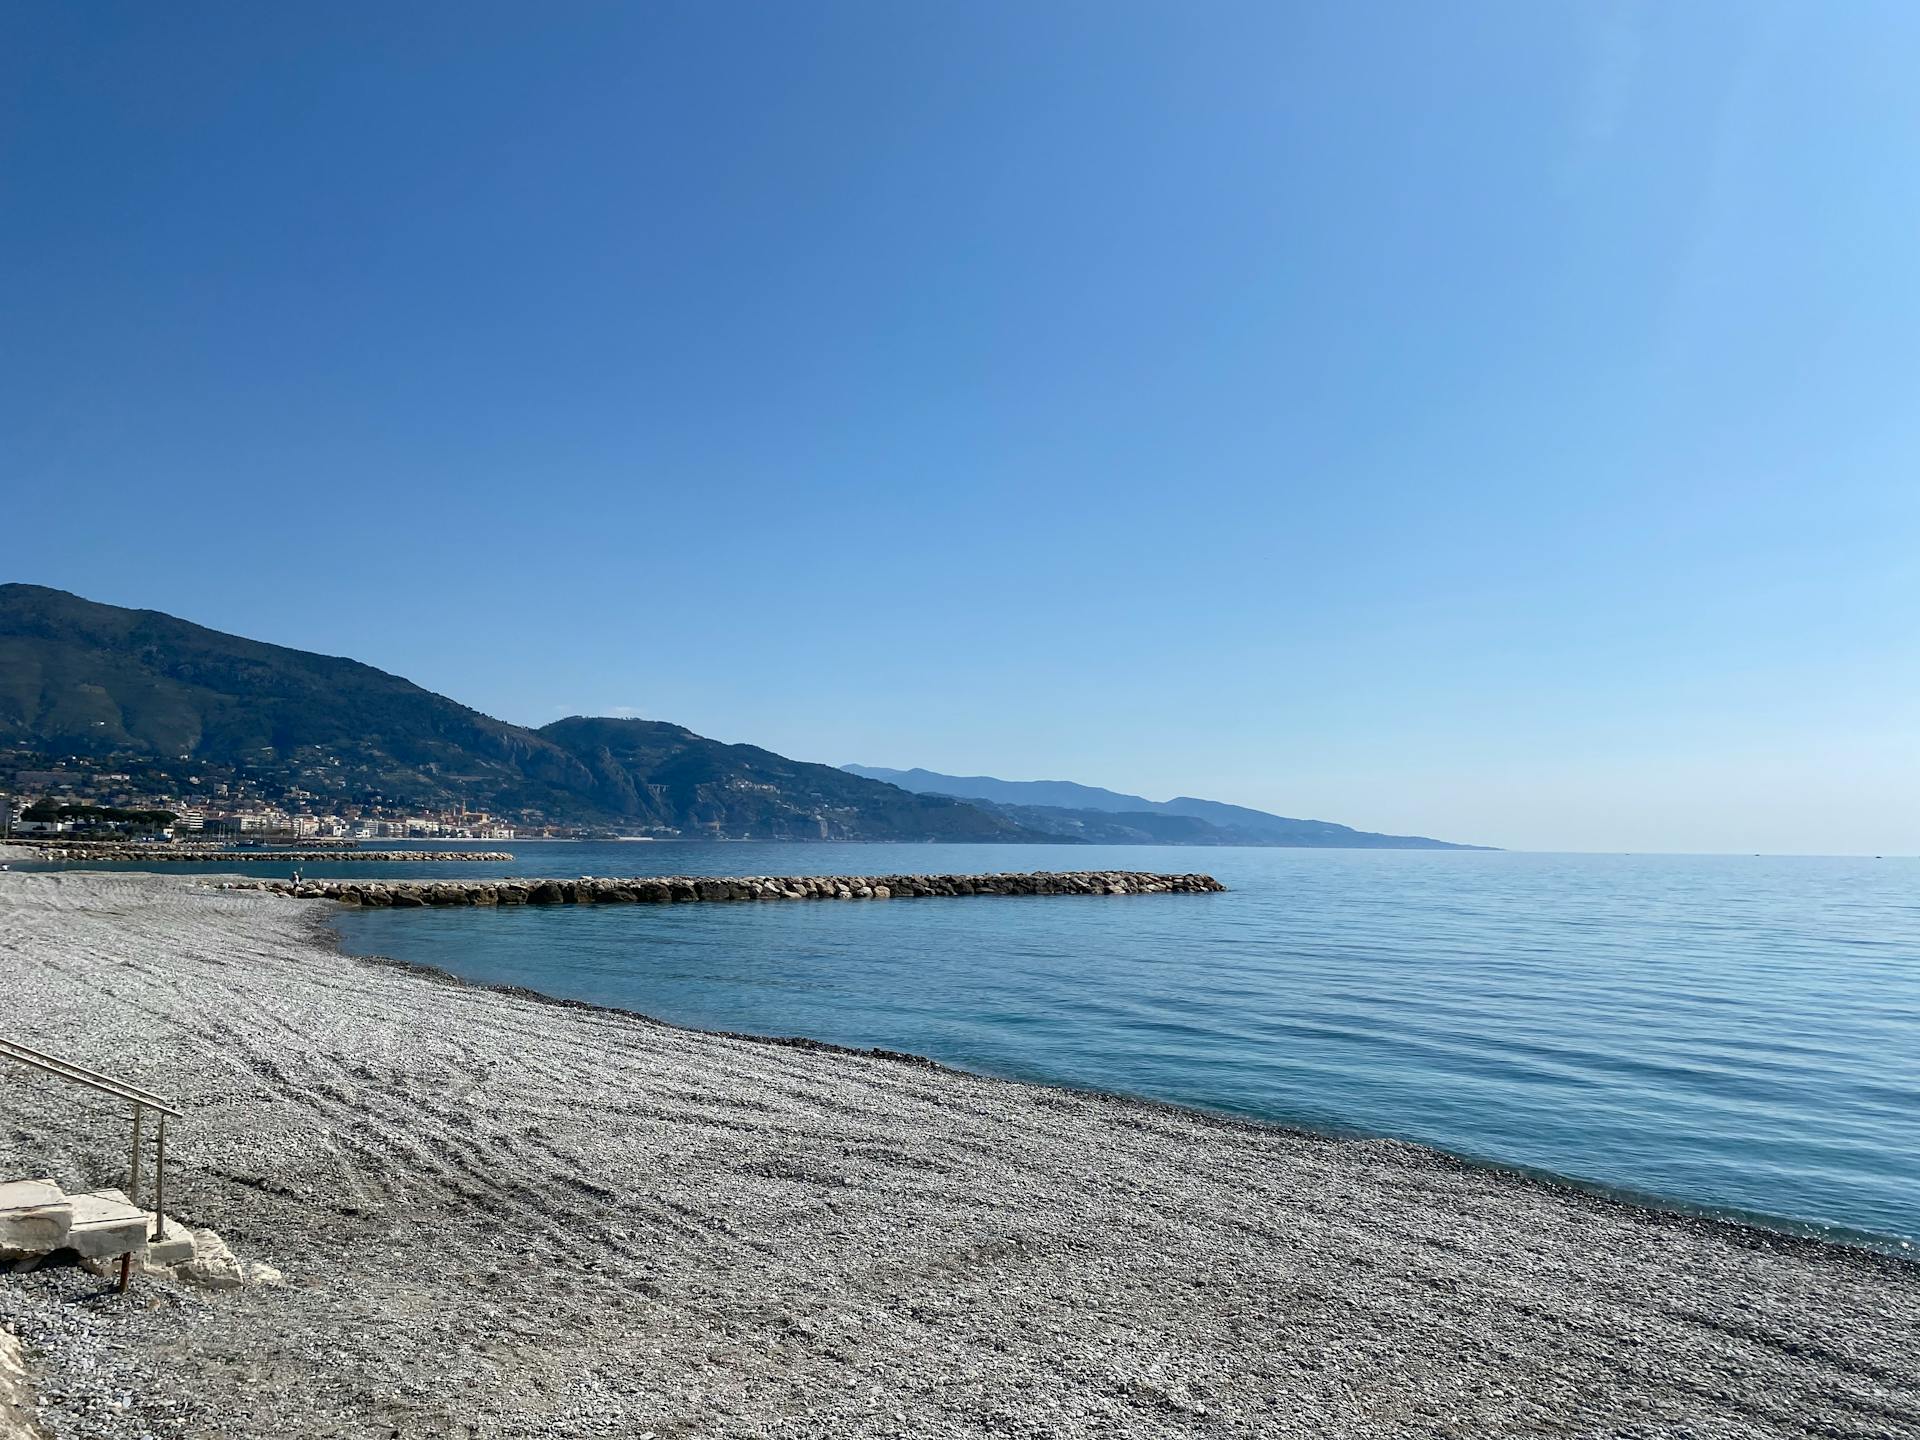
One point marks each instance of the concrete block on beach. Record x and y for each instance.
(34, 1218)
(106, 1223)
(176, 1249)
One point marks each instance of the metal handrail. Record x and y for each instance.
(81, 1075)
(142, 1101)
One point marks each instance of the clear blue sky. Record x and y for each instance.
(1498, 421)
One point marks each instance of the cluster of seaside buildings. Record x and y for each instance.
(455, 826)
(210, 821)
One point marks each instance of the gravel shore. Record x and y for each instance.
(505, 1216)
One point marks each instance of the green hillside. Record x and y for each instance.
(80, 678)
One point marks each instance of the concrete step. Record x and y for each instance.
(176, 1249)
(35, 1217)
(105, 1223)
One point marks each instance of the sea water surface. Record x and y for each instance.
(1739, 1034)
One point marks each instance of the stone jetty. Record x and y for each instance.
(147, 854)
(689, 889)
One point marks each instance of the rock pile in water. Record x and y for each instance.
(149, 853)
(689, 889)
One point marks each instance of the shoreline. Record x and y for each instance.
(522, 1215)
(1764, 1228)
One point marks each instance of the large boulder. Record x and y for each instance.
(213, 1264)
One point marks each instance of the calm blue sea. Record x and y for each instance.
(1740, 1034)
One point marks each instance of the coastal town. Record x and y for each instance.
(78, 798)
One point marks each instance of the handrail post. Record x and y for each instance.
(139, 1123)
(160, 1185)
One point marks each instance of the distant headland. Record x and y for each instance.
(134, 725)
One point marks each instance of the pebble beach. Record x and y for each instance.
(503, 1215)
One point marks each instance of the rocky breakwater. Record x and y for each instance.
(147, 854)
(691, 889)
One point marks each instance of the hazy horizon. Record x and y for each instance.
(1492, 425)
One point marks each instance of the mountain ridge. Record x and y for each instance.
(98, 681)
(145, 688)
(1113, 817)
